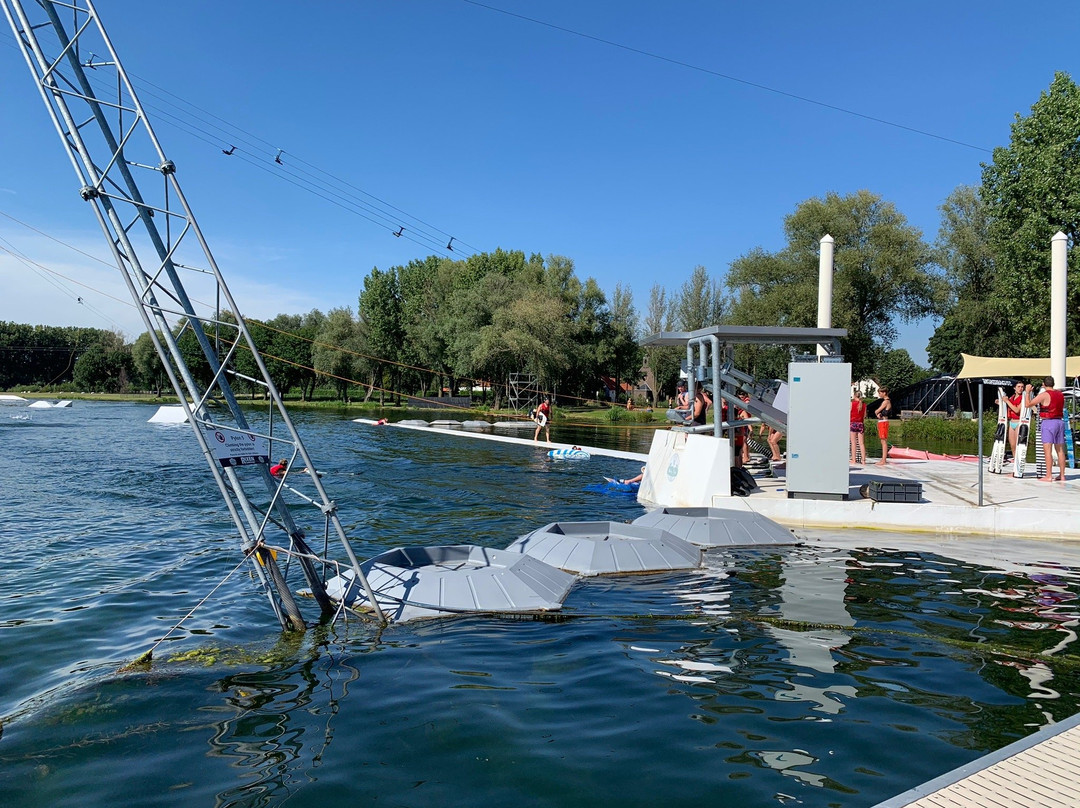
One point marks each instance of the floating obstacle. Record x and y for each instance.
(414, 582)
(718, 527)
(169, 414)
(607, 548)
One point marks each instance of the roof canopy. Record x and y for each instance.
(979, 367)
(762, 335)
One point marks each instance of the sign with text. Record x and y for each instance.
(232, 447)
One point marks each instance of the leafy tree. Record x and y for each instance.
(1032, 191)
(663, 362)
(148, 368)
(382, 326)
(338, 340)
(897, 370)
(621, 344)
(700, 303)
(101, 370)
(973, 321)
(883, 275)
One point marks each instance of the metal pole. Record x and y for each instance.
(981, 441)
(1059, 245)
(825, 286)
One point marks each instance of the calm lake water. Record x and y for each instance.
(674, 690)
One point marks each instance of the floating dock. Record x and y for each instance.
(949, 502)
(1040, 771)
(459, 430)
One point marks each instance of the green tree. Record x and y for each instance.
(700, 303)
(663, 362)
(335, 353)
(883, 275)
(1032, 191)
(149, 371)
(102, 370)
(973, 321)
(897, 370)
(382, 326)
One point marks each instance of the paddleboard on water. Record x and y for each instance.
(1020, 457)
(619, 485)
(569, 454)
(997, 454)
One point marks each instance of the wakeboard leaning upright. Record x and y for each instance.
(1020, 456)
(1071, 399)
(997, 454)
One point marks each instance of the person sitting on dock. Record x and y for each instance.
(542, 416)
(278, 470)
(1051, 404)
(696, 416)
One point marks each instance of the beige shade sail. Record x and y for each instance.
(980, 367)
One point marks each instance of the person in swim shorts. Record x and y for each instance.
(1051, 404)
(882, 413)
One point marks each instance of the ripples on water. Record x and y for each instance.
(805, 676)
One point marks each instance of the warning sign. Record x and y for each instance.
(232, 447)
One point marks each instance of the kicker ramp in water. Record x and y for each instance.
(718, 527)
(607, 548)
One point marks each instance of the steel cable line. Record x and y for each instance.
(271, 149)
(407, 227)
(284, 332)
(728, 77)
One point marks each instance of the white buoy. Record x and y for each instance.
(824, 290)
(1058, 274)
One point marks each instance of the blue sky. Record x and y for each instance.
(508, 133)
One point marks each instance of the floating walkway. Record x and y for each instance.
(949, 503)
(468, 429)
(1040, 771)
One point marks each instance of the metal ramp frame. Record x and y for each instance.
(133, 189)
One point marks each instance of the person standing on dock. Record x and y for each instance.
(543, 421)
(1051, 404)
(1012, 404)
(882, 413)
(857, 436)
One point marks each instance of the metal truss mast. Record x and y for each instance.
(125, 176)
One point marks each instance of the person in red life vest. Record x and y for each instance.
(857, 431)
(278, 470)
(542, 416)
(1051, 404)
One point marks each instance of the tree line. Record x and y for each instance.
(442, 324)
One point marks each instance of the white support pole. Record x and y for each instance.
(824, 289)
(1058, 272)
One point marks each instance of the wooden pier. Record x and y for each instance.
(1040, 771)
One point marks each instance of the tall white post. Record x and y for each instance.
(824, 288)
(1058, 273)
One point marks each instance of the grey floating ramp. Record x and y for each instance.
(446, 423)
(476, 425)
(718, 527)
(413, 582)
(413, 422)
(607, 548)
